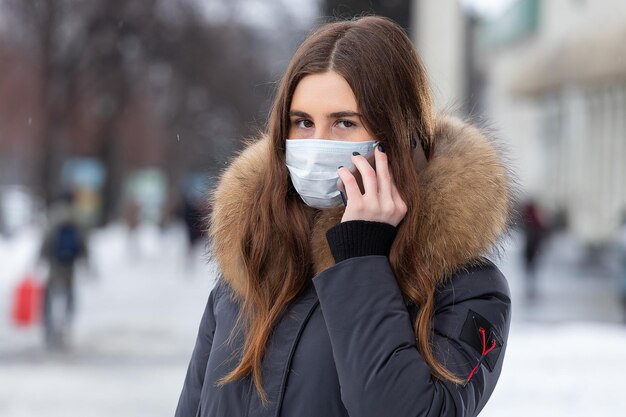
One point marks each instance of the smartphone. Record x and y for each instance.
(370, 157)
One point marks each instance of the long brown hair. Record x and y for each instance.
(378, 61)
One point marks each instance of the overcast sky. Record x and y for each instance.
(259, 12)
(488, 8)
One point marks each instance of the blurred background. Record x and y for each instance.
(117, 116)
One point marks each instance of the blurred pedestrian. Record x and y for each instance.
(384, 306)
(64, 244)
(194, 216)
(131, 215)
(535, 232)
(621, 250)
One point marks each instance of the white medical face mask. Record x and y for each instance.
(313, 164)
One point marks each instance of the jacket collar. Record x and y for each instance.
(466, 204)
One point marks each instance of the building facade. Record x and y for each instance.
(556, 91)
(438, 32)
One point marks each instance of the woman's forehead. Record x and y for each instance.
(326, 92)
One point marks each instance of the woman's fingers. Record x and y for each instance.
(349, 182)
(383, 176)
(382, 201)
(370, 183)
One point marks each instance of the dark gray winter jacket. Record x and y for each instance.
(346, 346)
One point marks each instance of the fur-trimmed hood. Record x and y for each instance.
(466, 202)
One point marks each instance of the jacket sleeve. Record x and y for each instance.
(379, 367)
(190, 396)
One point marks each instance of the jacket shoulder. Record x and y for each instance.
(477, 290)
(481, 279)
(224, 292)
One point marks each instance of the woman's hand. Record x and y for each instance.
(381, 201)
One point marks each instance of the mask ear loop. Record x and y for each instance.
(419, 157)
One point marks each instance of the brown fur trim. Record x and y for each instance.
(466, 203)
(234, 198)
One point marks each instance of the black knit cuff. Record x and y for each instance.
(360, 238)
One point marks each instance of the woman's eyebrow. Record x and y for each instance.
(345, 113)
(335, 115)
(298, 113)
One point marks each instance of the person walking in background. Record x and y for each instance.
(535, 232)
(621, 253)
(131, 216)
(194, 212)
(64, 243)
(375, 302)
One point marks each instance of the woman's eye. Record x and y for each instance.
(345, 123)
(304, 124)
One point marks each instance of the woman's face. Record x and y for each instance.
(323, 106)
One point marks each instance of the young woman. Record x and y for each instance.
(377, 302)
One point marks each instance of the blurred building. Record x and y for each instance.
(19, 111)
(438, 30)
(556, 91)
(396, 10)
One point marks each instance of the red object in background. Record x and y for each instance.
(27, 302)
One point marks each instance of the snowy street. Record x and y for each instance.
(135, 329)
(137, 317)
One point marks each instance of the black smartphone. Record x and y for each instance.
(357, 174)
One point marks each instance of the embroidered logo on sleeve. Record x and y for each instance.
(483, 337)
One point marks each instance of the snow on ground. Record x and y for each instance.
(140, 303)
(567, 349)
(570, 369)
(135, 329)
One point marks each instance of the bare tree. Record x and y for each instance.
(198, 79)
